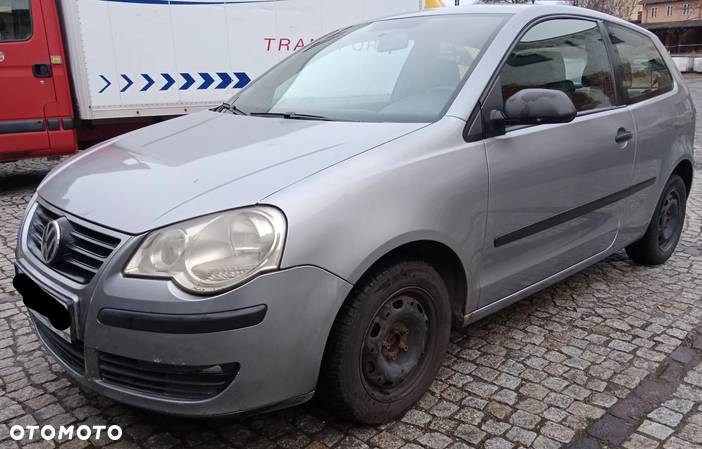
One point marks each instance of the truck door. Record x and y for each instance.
(26, 85)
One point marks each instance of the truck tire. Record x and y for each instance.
(664, 231)
(386, 344)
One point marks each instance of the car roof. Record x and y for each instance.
(516, 9)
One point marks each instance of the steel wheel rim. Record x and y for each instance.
(669, 220)
(396, 343)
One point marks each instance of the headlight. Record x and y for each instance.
(213, 253)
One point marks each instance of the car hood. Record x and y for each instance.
(202, 163)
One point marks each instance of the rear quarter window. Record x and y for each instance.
(642, 70)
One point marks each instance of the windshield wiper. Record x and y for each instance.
(292, 116)
(229, 107)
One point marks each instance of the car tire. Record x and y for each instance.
(666, 226)
(386, 344)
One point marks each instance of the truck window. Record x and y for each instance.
(15, 20)
(642, 69)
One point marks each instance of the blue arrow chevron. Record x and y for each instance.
(189, 81)
(108, 83)
(226, 80)
(243, 80)
(149, 82)
(169, 81)
(207, 81)
(129, 82)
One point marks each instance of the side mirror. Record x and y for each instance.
(535, 107)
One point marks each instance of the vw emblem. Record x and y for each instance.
(51, 241)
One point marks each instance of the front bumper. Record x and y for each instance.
(276, 361)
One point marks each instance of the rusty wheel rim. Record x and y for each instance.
(395, 344)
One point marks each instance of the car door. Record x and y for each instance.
(26, 86)
(555, 190)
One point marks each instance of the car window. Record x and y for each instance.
(376, 82)
(15, 20)
(395, 70)
(643, 72)
(563, 54)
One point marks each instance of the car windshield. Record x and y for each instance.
(395, 70)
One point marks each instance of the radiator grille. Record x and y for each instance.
(84, 254)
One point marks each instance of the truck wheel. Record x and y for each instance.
(664, 231)
(386, 344)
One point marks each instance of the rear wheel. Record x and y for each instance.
(664, 231)
(387, 343)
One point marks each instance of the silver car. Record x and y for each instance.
(325, 229)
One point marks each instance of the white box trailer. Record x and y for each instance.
(161, 57)
(74, 72)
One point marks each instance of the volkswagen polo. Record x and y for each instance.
(323, 230)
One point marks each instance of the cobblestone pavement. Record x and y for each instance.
(611, 357)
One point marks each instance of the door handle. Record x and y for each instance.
(41, 70)
(623, 135)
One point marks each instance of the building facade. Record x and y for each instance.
(656, 11)
(678, 24)
(636, 14)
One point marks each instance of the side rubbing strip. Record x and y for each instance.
(21, 126)
(68, 123)
(167, 323)
(572, 214)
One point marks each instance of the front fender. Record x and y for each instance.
(428, 185)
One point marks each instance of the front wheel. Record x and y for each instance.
(386, 344)
(664, 231)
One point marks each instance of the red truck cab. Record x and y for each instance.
(36, 111)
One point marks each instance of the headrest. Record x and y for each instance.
(534, 68)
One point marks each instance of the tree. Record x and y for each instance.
(620, 8)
